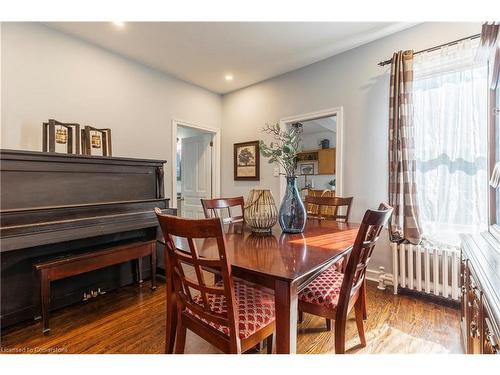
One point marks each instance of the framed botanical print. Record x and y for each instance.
(96, 142)
(247, 161)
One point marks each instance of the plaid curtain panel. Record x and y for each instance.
(404, 224)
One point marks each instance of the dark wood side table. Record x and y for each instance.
(480, 285)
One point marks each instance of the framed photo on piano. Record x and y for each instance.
(96, 142)
(61, 137)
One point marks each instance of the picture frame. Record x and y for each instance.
(246, 161)
(306, 168)
(61, 137)
(96, 142)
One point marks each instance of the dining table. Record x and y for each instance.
(282, 262)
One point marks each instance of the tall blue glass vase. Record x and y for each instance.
(292, 215)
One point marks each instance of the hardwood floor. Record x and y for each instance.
(132, 320)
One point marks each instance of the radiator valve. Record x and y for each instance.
(381, 274)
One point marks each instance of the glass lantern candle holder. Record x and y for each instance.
(261, 213)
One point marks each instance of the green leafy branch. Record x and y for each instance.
(284, 147)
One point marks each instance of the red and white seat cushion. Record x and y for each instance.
(255, 309)
(324, 290)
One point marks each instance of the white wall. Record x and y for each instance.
(352, 80)
(47, 74)
(311, 141)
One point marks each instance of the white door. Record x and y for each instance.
(196, 171)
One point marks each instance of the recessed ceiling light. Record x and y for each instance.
(228, 77)
(119, 24)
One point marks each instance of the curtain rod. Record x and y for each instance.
(475, 36)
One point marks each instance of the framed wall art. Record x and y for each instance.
(247, 161)
(60, 137)
(96, 142)
(306, 168)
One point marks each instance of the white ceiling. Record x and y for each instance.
(204, 52)
(320, 125)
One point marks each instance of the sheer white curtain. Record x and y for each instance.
(450, 114)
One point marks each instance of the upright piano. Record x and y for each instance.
(54, 205)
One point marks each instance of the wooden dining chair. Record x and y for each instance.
(313, 209)
(232, 315)
(213, 208)
(329, 207)
(333, 294)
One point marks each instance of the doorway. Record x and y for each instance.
(195, 171)
(320, 164)
(316, 159)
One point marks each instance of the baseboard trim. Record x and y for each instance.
(439, 300)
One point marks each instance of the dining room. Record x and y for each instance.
(266, 188)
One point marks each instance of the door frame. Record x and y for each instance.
(339, 156)
(215, 156)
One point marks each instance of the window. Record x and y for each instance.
(451, 148)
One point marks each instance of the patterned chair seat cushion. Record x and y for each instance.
(324, 290)
(255, 309)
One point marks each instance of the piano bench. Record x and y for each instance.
(60, 268)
